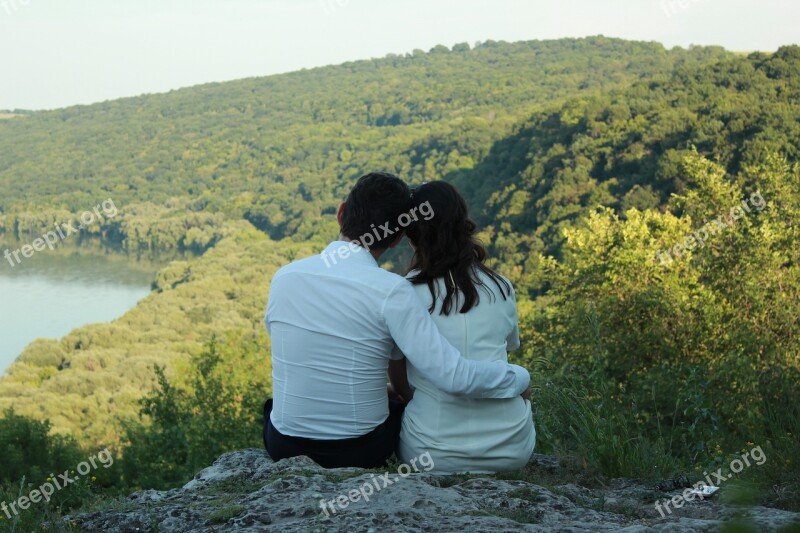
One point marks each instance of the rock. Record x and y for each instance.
(247, 491)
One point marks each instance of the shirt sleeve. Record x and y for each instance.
(417, 336)
(397, 354)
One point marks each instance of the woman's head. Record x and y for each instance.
(445, 247)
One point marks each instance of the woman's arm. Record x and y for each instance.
(398, 379)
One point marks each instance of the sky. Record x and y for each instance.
(57, 53)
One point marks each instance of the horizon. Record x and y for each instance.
(89, 52)
(19, 110)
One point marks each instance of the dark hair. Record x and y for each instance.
(446, 247)
(376, 199)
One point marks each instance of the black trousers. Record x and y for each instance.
(372, 450)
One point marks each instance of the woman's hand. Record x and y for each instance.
(399, 388)
(402, 397)
(527, 394)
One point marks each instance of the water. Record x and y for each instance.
(50, 295)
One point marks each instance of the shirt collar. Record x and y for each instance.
(350, 251)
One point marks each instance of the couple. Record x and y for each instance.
(339, 322)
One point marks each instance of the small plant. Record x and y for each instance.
(222, 516)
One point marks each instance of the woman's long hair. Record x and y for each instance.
(446, 247)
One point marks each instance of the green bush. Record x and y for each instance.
(28, 449)
(32, 457)
(185, 428)
(652, 368)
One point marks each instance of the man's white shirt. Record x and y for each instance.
(334, 322)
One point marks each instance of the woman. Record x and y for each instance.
(475, 309)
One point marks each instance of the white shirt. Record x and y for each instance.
(469, 435)
(334, 321)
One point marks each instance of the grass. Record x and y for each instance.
(519, 515)
(338, 477)
(570, 470)
(451, 480)
(525, 493)
(593, 429)
(629, 511)
(120, 504)
(598, 440)
(222, 516)
(234, 486)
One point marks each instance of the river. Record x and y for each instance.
(49, 295)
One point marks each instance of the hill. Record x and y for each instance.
(623, 149)
(282, 151)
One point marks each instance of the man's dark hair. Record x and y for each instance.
(377, 199)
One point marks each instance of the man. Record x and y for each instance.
(334, 321)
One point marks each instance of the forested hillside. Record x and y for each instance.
(282, 151)
(582, 160)
(625, 148)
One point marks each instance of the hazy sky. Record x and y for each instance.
(62, 52)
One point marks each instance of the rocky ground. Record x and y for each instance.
(247, 491)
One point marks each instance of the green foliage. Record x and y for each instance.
(32, 457)
(29, 451)
(682, 360)
(186, 429)
(625, 148)
(282, 151)
(575, 418)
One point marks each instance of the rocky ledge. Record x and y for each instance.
(247, 491)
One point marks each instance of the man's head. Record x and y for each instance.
(373, 207)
